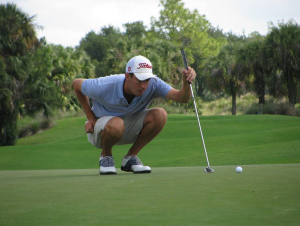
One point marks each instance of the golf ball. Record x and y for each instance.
(239, 169)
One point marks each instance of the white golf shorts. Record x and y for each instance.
(133, 126)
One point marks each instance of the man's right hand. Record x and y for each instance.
(89, 125)
(84, 101)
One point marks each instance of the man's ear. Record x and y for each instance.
(127, 75)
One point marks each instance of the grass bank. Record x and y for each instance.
(230, 140)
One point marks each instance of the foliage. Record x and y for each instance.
(35, 76)
(254, 58)
(188, 30)
(98, 46)
(267, 64)
(68, 64)
(283, 52)
(247, 104)
(18, 40)
(230, 72)
(39, 92)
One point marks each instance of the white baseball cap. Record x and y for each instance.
(141, 67)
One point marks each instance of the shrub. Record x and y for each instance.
(31, 126)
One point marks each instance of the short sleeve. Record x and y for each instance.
(162, 88)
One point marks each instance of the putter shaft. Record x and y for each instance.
(208, 169)
(199, 125)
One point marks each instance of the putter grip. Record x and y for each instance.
(184, 60)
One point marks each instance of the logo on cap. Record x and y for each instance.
(144, 65)
(129, 68)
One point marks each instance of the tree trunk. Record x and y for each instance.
(259, 84)
(262, 94)
(199, 85)
(292, 89)
(261, 88)
(8, 128)
(233, 90)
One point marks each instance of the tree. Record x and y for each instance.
(189, 30)
(18, 39)
(135, 33)
(230, 72)
(97, 46)
(39, 92)
(173, 17)
(254, 57)
(283, 52)
(68, 64)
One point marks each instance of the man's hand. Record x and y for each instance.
(89, 125)
(84, 101)
(189, 75)
(184, 94)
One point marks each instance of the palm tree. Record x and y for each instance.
(283, 51)
(230, 72)
(18, 38)
(256, 60)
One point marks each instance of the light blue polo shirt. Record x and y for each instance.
(108, 97)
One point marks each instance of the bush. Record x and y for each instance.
(30, 126)
(248, 104)
(273, 106)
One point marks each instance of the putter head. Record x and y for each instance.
(208, 170)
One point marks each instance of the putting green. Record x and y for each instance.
(261, 195)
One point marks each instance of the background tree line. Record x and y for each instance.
(36, 76)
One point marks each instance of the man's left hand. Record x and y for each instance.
(189, 75)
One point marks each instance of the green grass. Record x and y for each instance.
(261, 195)
(52, 178)
(230, 140)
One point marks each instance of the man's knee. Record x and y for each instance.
(158, 116)
(114, 128)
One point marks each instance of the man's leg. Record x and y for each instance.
(154, 122)
(112, 133)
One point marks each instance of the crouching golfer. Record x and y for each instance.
(119, 114)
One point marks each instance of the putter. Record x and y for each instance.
(207, 169)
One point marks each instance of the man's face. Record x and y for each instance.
(137, 87)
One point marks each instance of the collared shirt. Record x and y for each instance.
(108, 97)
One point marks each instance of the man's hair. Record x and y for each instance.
(131, 74)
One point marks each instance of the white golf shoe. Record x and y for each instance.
(134, 164)
(107, 165)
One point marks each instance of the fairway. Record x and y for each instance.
(261, 195)
(52, 178)
(230, 140)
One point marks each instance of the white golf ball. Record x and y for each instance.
(239, 169)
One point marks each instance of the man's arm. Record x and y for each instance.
(184, 94)
(85, 103)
